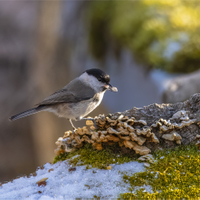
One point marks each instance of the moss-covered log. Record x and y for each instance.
(141, 130)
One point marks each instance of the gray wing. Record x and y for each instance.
(74, 92)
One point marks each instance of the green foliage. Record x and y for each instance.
(97, 159)
(175, 174)
(161, 34)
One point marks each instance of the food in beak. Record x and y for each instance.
(111, 88)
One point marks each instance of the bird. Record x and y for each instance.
(77, 99)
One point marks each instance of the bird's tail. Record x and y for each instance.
(27, 113)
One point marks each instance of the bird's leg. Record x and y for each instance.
(70, 120)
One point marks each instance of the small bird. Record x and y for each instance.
(77, 99)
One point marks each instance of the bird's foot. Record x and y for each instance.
(74, 129)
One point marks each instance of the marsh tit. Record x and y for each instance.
(77, 99)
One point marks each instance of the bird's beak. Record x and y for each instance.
(111, 88)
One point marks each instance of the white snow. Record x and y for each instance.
(65, 184)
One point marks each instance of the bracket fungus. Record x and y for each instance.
(139, 129)
(119, 130)
(173, 136)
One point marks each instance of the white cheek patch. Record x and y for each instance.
(92, 81)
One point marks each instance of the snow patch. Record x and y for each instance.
(64, 184)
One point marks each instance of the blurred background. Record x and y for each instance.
(150, 48)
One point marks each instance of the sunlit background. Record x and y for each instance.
(150, 49)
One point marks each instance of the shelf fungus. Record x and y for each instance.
(173, 136)
(124, 130)
(130, 131)
(142, 150)
(148, 158)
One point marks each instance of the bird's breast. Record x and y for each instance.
(77, 110)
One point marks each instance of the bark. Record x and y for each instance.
(43, 75)
(154, 112)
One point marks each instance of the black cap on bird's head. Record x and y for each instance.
(101, 76)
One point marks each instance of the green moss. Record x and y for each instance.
(97, 159)
(61, 157)
(175, 174)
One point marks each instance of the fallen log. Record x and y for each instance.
(142, 130)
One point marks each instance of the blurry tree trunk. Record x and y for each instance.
(49, 19)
